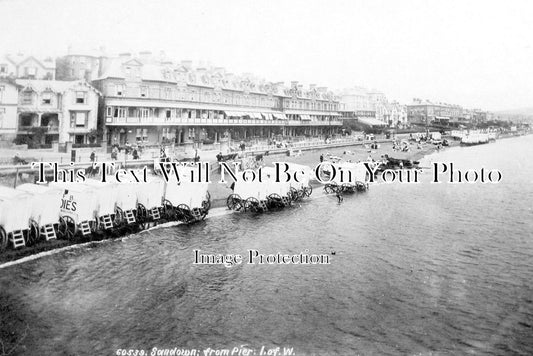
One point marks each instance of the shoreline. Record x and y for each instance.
(219, 194)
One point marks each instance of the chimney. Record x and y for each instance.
(125, 55)
(294, 83)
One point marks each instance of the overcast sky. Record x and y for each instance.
(475, 53)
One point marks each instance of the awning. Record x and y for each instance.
(371, 121)
(279, 116)
(442, 118)
(323, 113)
(305, 117)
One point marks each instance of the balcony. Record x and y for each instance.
(46, 129)
(158, 121)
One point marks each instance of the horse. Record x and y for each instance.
(91, 171)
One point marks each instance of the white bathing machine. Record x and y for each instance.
(351, 176)
(15, 214)
(126, 204)
(186, 200)
(46, 208)
(300, 179)
(150, 198)
(271, 187)
(261, 193)
(79, 209)
(106, 199)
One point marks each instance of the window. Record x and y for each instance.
(145, 113)
(30, 70)
(168, 114)
(168, 93)
(80, 97)
(142, 135)
(119, 112)
(27, 98)
(144, 92)
(78, 119)
(119, 89)
(109, 111)
(47, 98)
(3, 68)
(2, 89)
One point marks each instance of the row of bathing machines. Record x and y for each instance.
(36, 212)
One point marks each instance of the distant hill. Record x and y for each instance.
(522, 115)
(522, 111)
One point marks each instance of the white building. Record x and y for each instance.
(63, 111)
(8, 110)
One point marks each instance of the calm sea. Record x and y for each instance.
(431, 269)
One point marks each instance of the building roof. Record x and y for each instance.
(20, 58)
(56, 86)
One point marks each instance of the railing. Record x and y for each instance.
(306, 144)
(212, 121)
(52, 129)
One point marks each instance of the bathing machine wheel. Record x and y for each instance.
(330, 188)
(234, 202)
(169, 211)
(360, 186)
(141, 216)
(348, 188)
(118, 219)
(206, 204)
(33, 233)
(3, 239)
(293, 194)
(184, 213)
(67, 228)
(308, 190)
(275, 201)
(251, 204)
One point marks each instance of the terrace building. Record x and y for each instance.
(426, 112)
(149, 101)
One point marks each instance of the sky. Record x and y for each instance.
(478, 54)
